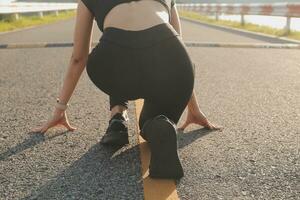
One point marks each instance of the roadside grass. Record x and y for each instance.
(8, 23)
(247, 26)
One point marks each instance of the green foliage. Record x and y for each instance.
(8, 23)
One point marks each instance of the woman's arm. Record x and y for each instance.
(194, 113)
(82, 44)
(77, 63)
(175, 22)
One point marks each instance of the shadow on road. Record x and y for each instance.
(187, 138)
(101, 173)
(34, 139)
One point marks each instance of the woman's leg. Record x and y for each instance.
(168, 84)
(152, 64)
(168, 79)
(151, 110)
(114, 101)
(157, 123)
(117, 105)
(101, 69)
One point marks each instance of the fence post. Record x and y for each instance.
(41, 14)
(16, 16)
(56, 13)
(217, 16)
(287, 28)
(12, 16)
(242, 19)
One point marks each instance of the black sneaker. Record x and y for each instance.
(161, 136)
(117, 131)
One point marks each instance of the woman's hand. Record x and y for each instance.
(198, 118)
(59, 118)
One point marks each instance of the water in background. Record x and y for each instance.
(274, 22)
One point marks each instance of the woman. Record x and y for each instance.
(140, 55)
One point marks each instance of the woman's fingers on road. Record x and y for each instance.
(213, 126)
(36, 129)
(68, 126)
(65, 122)
(183, 126)
(180, 129)
(208, 125)
(41, 129)
(50, 124)
(46, 126)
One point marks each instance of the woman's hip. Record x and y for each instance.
(159, 61)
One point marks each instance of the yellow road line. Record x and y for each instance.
(154, 189)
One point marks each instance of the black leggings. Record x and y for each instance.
(152, 64)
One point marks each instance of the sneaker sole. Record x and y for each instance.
(164, 162)
(115, 140)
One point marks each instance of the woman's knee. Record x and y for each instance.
(151, 110)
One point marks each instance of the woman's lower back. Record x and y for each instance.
(136, 15)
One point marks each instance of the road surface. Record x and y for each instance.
(253, 93)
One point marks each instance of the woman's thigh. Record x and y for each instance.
(113, 70)
(168, 79)
(168, 75)
(168, 69)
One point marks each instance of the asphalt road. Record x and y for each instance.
(253, 93)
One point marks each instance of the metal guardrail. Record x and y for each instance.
(287, 10)
(15, 9)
